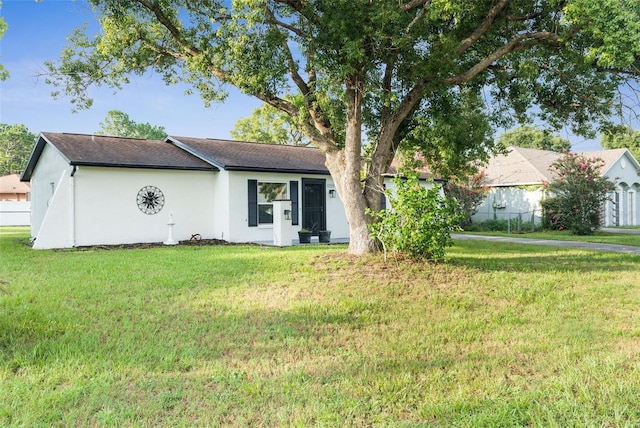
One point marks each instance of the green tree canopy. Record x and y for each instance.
(372, 71)
(531, 136)
(119, 124)
(622, 137)
(4, 74)
(267, 124)
(16, 144)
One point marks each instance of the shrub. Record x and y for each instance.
(469, 195)
(418, 224)
(550, 218)
(579, 192)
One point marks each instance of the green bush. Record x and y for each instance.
(419, 223)
(579, 192)
(550, 219)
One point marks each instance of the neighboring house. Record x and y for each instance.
(12, 189)
(14, 201)
(515, 182)
(100, 190)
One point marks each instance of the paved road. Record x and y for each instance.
(629, 249)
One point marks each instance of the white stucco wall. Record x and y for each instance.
(336, 217)
(390, 186)
(238, 201)
(510, 202)
(624, 207)
(106, 210)
(45, 177)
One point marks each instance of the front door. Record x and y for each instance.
(313, 205)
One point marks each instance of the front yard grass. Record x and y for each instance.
(500, 335)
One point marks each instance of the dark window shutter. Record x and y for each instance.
(383, 198)
(253, 203)
(293, 190)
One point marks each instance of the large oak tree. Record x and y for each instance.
(372, 70)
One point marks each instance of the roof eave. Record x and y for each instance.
(36, 152)
(528, 183)
(143, 166)
(278, 170)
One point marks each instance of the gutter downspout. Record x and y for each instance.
(72, 207)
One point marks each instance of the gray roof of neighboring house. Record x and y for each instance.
(522, 166)
(98, 150)
(246, 156)
(610, 157)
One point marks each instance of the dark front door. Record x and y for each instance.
(313, 205)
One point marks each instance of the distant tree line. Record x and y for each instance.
(16, 143)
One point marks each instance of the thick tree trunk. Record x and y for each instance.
(345, 167)
(349, 187)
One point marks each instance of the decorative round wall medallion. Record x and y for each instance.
(150, 199)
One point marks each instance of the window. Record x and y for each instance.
(267, 192)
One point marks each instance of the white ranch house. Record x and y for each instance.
(99, 190)
(515, 182)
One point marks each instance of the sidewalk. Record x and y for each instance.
(628, 249)
(620, 230)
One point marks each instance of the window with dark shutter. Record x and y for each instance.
(293, 189)
(252, 218)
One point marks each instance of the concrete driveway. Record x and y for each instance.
(615, 248)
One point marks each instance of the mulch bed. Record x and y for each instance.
(143, 245)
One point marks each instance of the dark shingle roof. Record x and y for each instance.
(98, 150)
(245, 156)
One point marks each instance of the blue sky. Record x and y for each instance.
(38, 32)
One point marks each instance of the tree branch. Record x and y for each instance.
(513, 45)
(527, 17)
(414, 4)
(416, 19)
(320, 124)
(299, 7)
(177, 36)
(271, 19)
(385, 150)
(166, 22)
(483, 28)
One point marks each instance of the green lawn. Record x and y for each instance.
(501, 335)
